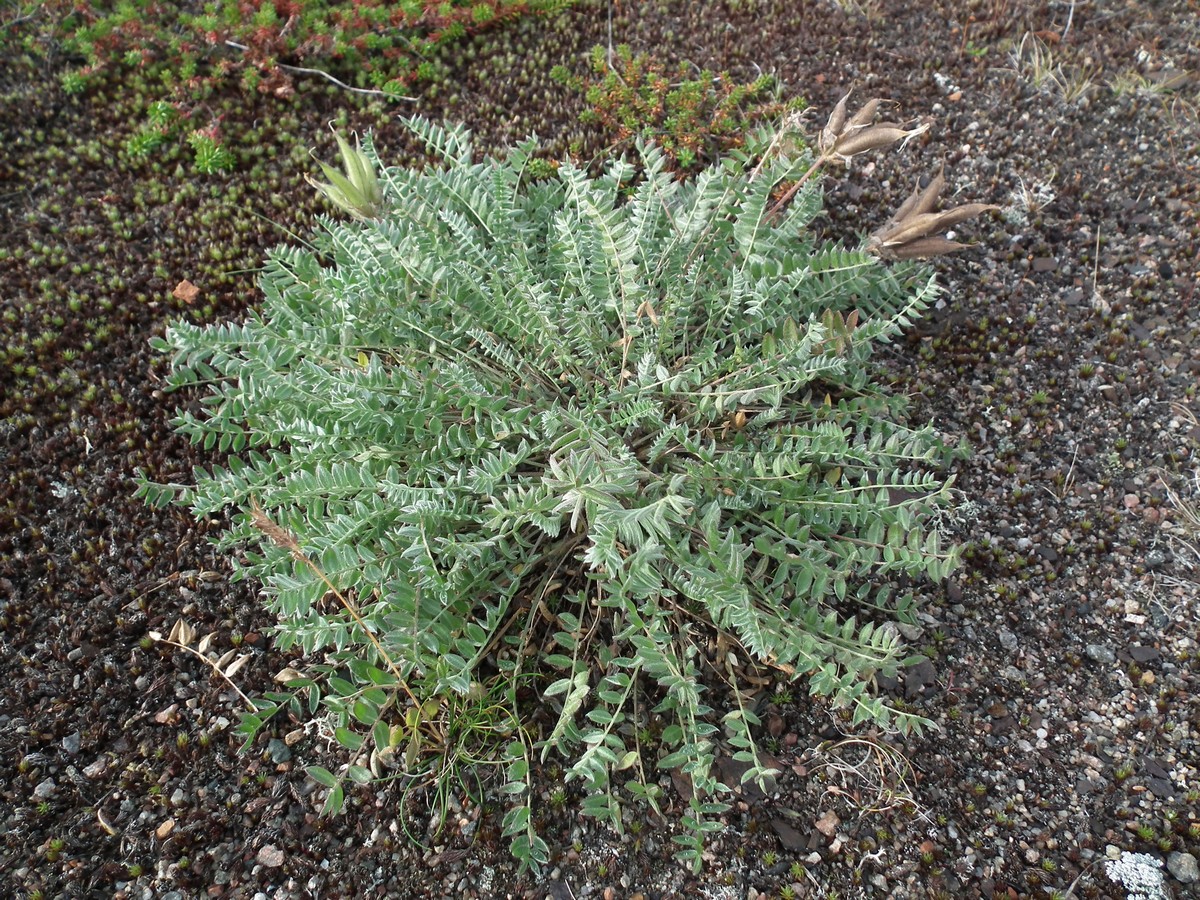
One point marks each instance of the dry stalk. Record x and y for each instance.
(303, 70)
(181, 637)
(285, 539)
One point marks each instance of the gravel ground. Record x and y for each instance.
(1060, 663)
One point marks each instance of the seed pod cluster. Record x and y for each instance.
(845, 136)
(913, 230)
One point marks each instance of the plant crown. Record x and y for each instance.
(576, 444)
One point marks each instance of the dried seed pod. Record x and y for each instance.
(844, 137)
(912, 233)
(921, 248)
(864, 116)
(924, 224)
(882, 135)
(836, 124)
(922, 200)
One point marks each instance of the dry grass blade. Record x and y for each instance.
(882, 769)
(1187, 513)
(1033, 59)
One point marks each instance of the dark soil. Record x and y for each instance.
(1059, 664)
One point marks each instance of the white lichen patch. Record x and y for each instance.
(1140, 874)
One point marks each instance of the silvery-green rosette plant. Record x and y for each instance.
(551, 454)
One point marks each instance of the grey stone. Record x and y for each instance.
(1154, 768)
(1160, 787)
(1008, 640)
(1099, 653)
(45, 790)
(280, 753)
(1144, 654)
(791, 839)
(918, 677)
(1183, 867)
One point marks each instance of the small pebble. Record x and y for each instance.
(280, 753)
(1100, 654)
(45, 790)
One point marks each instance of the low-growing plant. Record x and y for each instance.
(548, 435)
(75, 82)
(377, 45)
(211, 155)
(185, 51)
(162, 120)
(693, 116)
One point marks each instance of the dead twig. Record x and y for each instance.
(302, 70)
(181, 637)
